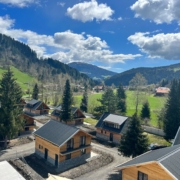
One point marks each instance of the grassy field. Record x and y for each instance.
(157, 139)
(22, 78)
(156, 103)
(91, 121)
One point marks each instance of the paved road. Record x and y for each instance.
(17, 151)
(106, 172)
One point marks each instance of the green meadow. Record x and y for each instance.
(156, 103)
(22, 78)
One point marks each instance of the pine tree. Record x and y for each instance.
(84, 101)
(121, 99)
(35, 92)
(67, 100)
(11, 121)
(172, 114)
(108, 103)
(133, 142)
(145, 111)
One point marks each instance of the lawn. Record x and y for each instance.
(155, 103)
(22, 78)
(91, 121)
(157, 140)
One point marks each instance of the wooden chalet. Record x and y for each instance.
(158, 164)
(36, 108)
(61, 145)
(29, 123)
(162, 91)
(111, 127)
(78, 116)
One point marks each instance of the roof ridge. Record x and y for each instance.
(168, 154)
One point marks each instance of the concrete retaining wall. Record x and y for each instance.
(153, 130)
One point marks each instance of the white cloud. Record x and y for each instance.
(159, 11)
(65, 46)
(105, 67)
(19, 3)
(88, 11)
(120, 18)
(61, 4)
(162, 45)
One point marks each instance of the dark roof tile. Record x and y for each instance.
(56, 132)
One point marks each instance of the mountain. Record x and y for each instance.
(152, 75)
(92, 71)
(19, 55)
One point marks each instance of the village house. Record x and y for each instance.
(36, 108)
(98, 88)
(61, 145)
(111, 127)
(78, 116)
(162, 91)
(29, 124)
(158, 164)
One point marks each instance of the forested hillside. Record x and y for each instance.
(152, 75)
(92, 71)
(19, 55)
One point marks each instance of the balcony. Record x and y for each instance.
(74, 150)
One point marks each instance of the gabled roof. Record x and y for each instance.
(112, 118)
(115, 119)
(59, 107)
(177, 138)
(162, 90)
(168, 157)
(56, 132)
(34, 104)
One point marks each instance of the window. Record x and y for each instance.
(40, 147)
(83, 140)
(102, 131)
(68, 156)
(70, 144)
(83, 151)
(142, 176)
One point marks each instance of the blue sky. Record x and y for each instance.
(115, 35)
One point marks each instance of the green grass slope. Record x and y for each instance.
(22, 78)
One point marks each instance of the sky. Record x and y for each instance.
(116, 35)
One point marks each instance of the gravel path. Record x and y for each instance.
(106, 172)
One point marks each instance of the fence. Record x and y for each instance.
(153, 130)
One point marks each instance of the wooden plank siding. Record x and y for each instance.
(41, 144)
(153, 170)
(107, 133)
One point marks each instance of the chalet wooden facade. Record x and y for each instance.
(162, 91)
(36, 108)
(29, 123)
(111, 127)
(61, 145)
(78, 116)
(158, 164)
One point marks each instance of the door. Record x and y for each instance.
(111, 136)
(46, 154)
(56, 160)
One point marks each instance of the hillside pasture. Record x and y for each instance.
(21, 78)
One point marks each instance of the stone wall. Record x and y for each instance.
(50, 161)
(70, 163)
(67, 164)
(102, 136)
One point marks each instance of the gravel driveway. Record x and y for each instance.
(106, 172)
